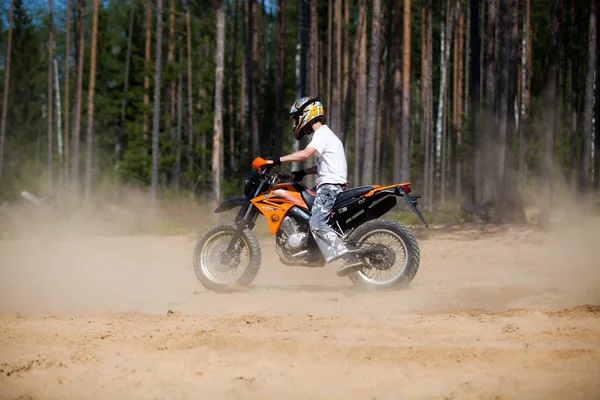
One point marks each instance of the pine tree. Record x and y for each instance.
(552, 109)
(217, 150)
(78, 97)
(90, 117)
(156, 117)
(475, 76)
(280, 77)
(147, 55)
(190, 109)
(588, 114)
(371, 116)
(405, 149)
(121, 134)
(67, 92)
(50, 97)
(489, 137)
(361, 107)
(6, 85)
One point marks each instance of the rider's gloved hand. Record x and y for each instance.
(298, 175)
(276, 161)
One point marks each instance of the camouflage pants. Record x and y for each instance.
(328, 241)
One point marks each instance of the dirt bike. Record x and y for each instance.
(228, 255)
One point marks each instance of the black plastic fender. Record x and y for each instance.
(230, 204)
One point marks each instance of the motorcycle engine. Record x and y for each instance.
(294, 238)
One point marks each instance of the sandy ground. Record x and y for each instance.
(491, 314)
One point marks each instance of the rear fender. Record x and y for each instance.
(411, 200)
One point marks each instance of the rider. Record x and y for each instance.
(331, 170)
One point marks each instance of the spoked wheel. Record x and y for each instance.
(219, 272)
(390, 253)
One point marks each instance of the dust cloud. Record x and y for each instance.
(494, 312)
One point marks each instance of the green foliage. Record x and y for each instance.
(25, 152)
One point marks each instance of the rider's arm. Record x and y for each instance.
(299, 155)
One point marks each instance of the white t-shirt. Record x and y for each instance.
(331, 159)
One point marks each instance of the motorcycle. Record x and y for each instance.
(228, 255)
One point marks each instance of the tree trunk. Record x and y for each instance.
(78, 97)
(90, 118)
(50, 97)
(459, 102)
(429, 62)
(6, 86)
(217, 150)
(489, 138)
(426, 95)
(245, 84)
(313, 86)
(361, 105)
(147, 66)
(446, 43)
(121, 131)
(280, 78)
(466, 56)
(508, 184)
(336, 85)
(588, 112)
(454, 125)
(59, 142)
(298, 74)
(552, 110)
(525, 88)
(382, 135)
(156, 115)
(353, 75)
(597, 124)
(232, 99)
(177, 142)
(574, 67)
(371, 131)
(405, 175)
(67, 93)
(170, 60)
(328, 110)
(346, 51)
(397, 114)
(476, 102)
(254, 111)
(504, 108)
(189, 125)
(380, 115)
(422, 159)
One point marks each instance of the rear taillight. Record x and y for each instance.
(406, 188)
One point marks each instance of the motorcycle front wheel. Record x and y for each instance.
(221, 273)
(396, 255)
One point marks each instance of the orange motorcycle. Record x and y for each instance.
(229, 254)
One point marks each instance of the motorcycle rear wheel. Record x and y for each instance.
(406, 242)
(208, 260)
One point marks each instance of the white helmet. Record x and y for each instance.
(305, 112)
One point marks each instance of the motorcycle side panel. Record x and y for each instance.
(357, 211)
(274, 212)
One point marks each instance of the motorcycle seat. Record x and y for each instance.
(354, 192)
(309, 195)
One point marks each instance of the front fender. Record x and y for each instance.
(230, 204)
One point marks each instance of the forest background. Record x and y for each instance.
(476, 102)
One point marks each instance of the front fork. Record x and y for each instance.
(246, 218)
